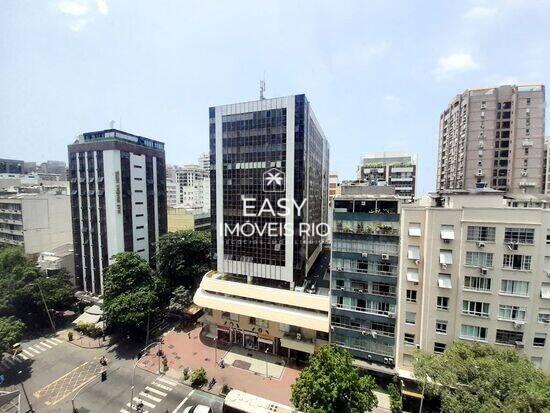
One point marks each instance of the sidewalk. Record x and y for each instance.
(243, 370)
(83, 341)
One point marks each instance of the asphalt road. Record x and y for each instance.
(53, 372)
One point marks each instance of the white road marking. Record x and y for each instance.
(43, 343)
(160, 393)
(23, 356)
(39, 348)
(52, 342)
(183, 402)
(124, 411)
(162, 386)
(34, 351)
(57, 340)
(28, 353)
(155, 399)
(145, 402)
(169, 382)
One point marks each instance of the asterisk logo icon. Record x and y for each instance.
(274, 180)
(274, 177)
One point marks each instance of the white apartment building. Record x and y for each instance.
(475, 266)
(35, 221)
(193, 187)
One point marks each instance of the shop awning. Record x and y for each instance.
(87, 318)
(303, 346)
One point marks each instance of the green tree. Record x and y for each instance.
(11, 332)
(396, 401)
(180, 300)
(476, 377)
(184, 257)
(330, 383)
(131, 295)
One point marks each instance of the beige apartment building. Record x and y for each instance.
(493, 137)
(36, 221)
(475, 266)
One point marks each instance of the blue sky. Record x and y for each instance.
(377, 73)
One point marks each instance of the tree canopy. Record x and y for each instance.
(131, 294)
(184, 257)
(476, 377)
(11, 332)
(180, 300)
(330, 383)
(19, 293)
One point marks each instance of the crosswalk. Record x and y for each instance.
(29, 352)
(153, 394)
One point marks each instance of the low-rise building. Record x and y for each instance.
(475, 266)
(58, 258)
(180, 218)
(36, 221)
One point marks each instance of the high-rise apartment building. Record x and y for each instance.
(475, 266)
(11, 166)
(36, 221)
(118, 200)
(193, 187)
(397, 169)
(333, 185)
(364, 274)
(270, 288)
(493, 137)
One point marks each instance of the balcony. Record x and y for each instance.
(297, 341)
(363, 330)
(366, 310)
(371, 229)
(385, 270)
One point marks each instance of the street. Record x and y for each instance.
(53, 372)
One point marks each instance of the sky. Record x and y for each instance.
(377, 73)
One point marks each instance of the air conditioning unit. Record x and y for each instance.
(391, 315)
(519, 344)
(340, 288)
(518, 325)
(386, 360)
(364, 254)
(418, 346)
(446, 240)
(299, 336)
(443, 266)
(483, 271)
(417, 262)
(385, 256)
(390, 361)
(369, 356)
(480, 244)
(339, 269)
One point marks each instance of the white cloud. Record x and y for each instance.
(480, 12)
(455, 63)
(77, 25)
(102, 6)
(73, 7)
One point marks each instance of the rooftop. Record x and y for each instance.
(115, 134)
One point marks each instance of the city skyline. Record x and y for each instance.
(398, 81)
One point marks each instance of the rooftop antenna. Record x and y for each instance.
(262, 88)
(112, 124)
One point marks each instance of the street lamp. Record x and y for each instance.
(45, 305)
(140, 354)
(216, 350)
(266, 372)
(25, 393)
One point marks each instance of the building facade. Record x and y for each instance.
(118, 200)
(11, 166)
(263, 155)
(474, 267)
(180, 218)
(36, 221)
(397, 169)
(364, 275)
(493, 137)
(193, 187)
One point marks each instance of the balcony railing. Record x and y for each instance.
(371, 229)
(364, 329)
(374, 311)
(373, 248)
(372, 269)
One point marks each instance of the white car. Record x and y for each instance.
(198, 408)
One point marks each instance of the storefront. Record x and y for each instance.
(266, 343)
(223, 334)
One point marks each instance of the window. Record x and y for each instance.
(544, 316)
(445, 257)
(516, 262)
(340, 284)
(479, 259)
(514, 287)
(511, 312)
(508, 337)
(140, 227)
(414, 229)
(475, 308)
(545, 290)
(519, 235)
(447, 232)
(410, 317)
(548, 237)
(409, 338)
(539, 340)
(140, 239)
(477, 283)
(476, 233)
(411, 296)
(439, 348)
(139, 203)
(413, 252)
(442, 303)
(444, 281)
(230, 316)
(412, 275)
(473, 332)
(441, 326)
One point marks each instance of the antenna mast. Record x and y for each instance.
(262, 89)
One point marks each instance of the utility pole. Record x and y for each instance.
(45, 306)
(26, 395)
